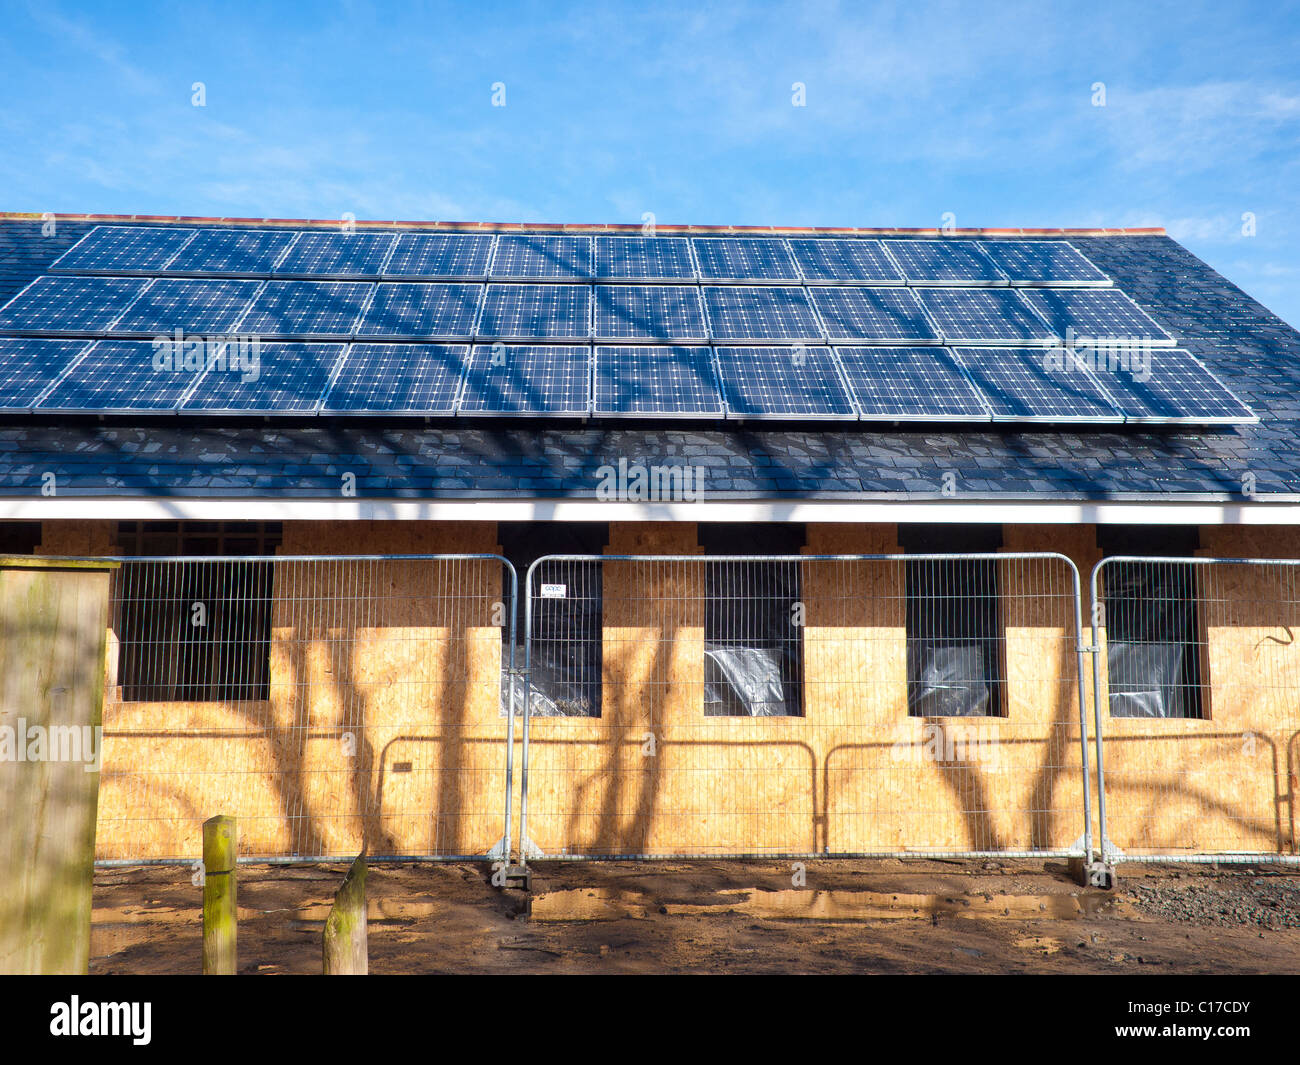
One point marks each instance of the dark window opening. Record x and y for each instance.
(753, 627)
(194, 631)
(565, 670)
(953, 623)
(19, 537)
(1153, 647)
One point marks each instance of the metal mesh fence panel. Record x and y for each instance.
(328, 703)
(803, 705)
(1197, 688)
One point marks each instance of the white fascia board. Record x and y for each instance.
(1029, 512)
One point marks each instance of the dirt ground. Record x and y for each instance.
(883, 916)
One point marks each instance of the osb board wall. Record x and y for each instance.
(382, 726)
(855, 773)
(1227, 782)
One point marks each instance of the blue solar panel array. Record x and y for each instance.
(794, 382)
(858, 313)
(29, 365)
(418, 311)
(125, 248)
(528, 379)
(639, 381)
(452, 323)
(649, 312)
(398, 379)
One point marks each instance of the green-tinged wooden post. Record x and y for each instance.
(345, 948)
(220, 844)
(53, 635)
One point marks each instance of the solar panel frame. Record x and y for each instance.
(110, 250)
(576, 375)
(1074, 271)
(615, 365)
(440, 256)
(43, 296)
(613, 259)
(510, 304)
(617, 309)
(1173, 374)
(922, 263)
(972, 316)
(942, 387)
(1050, 306)
(160, 307)
(217, 251)
(307, 303)
(110, 378)
(859, 314)
(434, 376)
(283, 363)
(739, 259)
(861, 260)
(411, 309)
(1011, 376)
(331, 255)
(769, 306)
(542, 256)
(31, 366)
(746, 372)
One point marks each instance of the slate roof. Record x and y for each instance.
(1253, 351)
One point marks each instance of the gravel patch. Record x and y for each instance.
(1267, 902)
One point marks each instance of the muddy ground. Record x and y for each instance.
(885, 916)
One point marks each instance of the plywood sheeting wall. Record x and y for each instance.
(854, 774)
(1226, 783)
(382, 727)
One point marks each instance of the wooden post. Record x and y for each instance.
(220, 844)
(345, 949)
(53, 634)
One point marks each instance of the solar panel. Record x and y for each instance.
(306, 308)
(124, 248)
(1163, 385)
(1042, 262)
(192, 306)
(786, 382)
(440, 255)
(528, 311)
(853, 313)
(1104, 314)
(290, 379)
(337, 254)
(965, 314)
(232, 251)
(910, 384)
(675, 381)
(418, 310)
(753, 313)
(28, 365)
(944, 261)
(522, 379)
(1026, 384)
(647, 258)
(122, 375)
(651, 312)
(537, 255)
(744, 258)
(398, 379)
(843, 259)
(68, 304)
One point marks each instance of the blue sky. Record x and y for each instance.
(686, 111)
